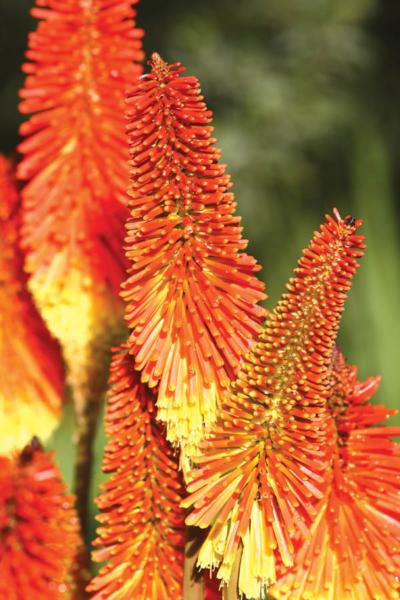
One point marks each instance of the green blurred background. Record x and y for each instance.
(306, 97)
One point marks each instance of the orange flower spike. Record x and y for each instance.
(82, 57)
(39, 528)
(142, 535)
(354, 549)
(31, 380)
(261, 470)
(192, 294)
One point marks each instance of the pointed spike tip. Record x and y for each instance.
(158, 65)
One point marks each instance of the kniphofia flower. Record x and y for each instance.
(39, 536)
(31, 375)
(192, 294)
(260, 472)
(81, 58)
(142, 533)
(353, 552)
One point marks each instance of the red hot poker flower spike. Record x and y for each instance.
(261, 470)
(31, 379)
(81, 60)
(39, 535)
(192, 294)
(142, 534)
(354, 549)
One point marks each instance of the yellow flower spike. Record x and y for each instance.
(31, 374)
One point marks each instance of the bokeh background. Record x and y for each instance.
(306, 98)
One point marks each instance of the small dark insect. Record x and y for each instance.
(29, 450)
(351, 221)
(36, 444)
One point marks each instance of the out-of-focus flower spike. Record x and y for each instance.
(39, 532)
(192, 294)
(31, 374)
(261, 471)
(142, 533)
(82, 56)
(353, 552)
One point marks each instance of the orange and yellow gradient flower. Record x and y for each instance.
(261, 470)
(353, 552)
(39, 535)
(82, 56)
(142, 535)
(31, 374)
(192, 294)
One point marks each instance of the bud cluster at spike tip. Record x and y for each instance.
(260, 473)
(191, 294)
(142, 533)
(31, 379)
(353, 552)
(39, 535)
(82, 57)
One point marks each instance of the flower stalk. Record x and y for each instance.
(193, 582)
